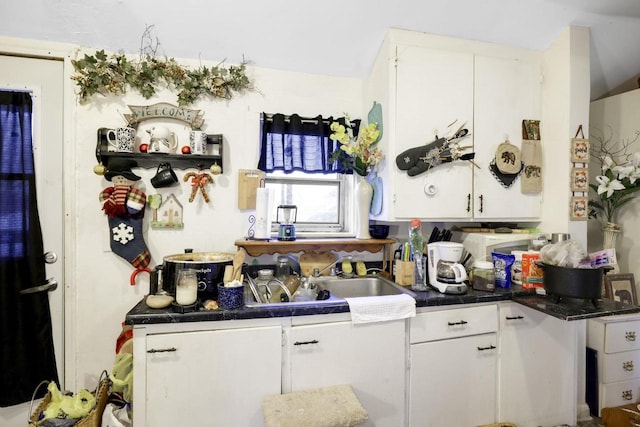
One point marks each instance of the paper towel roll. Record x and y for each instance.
(263, 213)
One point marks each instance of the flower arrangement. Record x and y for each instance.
(619, 181)
(360, 153)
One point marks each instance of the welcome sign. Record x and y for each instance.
(164, 110)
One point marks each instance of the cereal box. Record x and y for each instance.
(531, 273)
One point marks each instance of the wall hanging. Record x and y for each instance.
(441, 150)
(113, 74)
(531, 181)
(124, 206)
(167, 212)
(579, 203)
(506, 165)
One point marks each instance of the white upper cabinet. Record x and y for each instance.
(506, 91)
(429, 86)
(434, 88)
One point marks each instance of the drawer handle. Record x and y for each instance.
(628, 366)
(630, 336)
(491, 347)
(514, 317)
(305, 342)
(627, 395)
(162, 350)
(462, 322)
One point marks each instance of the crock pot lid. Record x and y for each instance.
(198, 257)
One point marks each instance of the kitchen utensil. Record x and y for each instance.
(228, 274)
(249, 180)
(238, 259)
(209, 268)
(379, 231)
(446, 274)
(164, 177)
(286, 216)
(585, 283)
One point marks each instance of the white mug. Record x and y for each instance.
(198, 142)
(121, 139)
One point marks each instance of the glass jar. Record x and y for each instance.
(187, 286)
(483, 276)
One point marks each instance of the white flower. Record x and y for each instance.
(607, 162)
(608, 186)
(623, 171)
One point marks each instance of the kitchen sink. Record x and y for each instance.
(338, 289)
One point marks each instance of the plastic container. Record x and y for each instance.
(482, 276)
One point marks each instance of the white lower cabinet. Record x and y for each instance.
(207, 378)
(615, 380)
(453, 362)
(369, 357)
(537, 370)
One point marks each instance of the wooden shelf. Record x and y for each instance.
(151, 160)
(262, 247)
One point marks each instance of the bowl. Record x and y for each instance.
(379, 231)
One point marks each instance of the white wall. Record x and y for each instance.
(565, 100)
(103, 293)
(619, 117)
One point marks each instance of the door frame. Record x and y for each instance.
(65, 53)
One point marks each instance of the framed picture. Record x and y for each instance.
(579, 150)
(579, 179)
(621, 287)
(579, 208)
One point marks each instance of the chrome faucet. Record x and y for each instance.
(318, 271)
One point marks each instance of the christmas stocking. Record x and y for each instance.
(127, 241)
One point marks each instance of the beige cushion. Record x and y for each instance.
(322, 407)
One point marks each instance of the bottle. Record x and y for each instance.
(416, 243)
(187, 287)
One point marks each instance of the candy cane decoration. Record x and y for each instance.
(198, 181)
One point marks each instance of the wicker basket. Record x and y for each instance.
(92, 419)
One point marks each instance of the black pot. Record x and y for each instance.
(209, 268)
(572, 282)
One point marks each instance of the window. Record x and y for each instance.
(321, 200)
(295, 154)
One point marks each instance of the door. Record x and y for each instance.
(434, 91)
(369, 357)
(44, 79)
(213, 377)
(453, 382)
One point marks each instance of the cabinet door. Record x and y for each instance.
(453, 382)
(434, 96)
(369, 357)
(506, 92)
(212, 377)
(537, 372)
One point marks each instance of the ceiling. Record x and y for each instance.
(334, 37)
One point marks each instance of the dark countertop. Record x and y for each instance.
(566, 309)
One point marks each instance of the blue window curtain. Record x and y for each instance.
(294, 143)
(26, 341)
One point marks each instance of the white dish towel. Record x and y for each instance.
(382, 308)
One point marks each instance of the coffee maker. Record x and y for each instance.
(286, 230)
(446, 274)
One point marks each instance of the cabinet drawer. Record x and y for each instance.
(622, 336)
(620, 393)
(621, 366)
(444, 324)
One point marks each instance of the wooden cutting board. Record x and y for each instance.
(249, 180)
(493, 230)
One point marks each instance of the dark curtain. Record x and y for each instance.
(290, 143)
(26, 341)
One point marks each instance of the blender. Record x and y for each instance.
(446, 274)
(287, 231)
